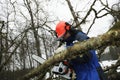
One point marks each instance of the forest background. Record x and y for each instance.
(27, 27)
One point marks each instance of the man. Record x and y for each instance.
(86, 67)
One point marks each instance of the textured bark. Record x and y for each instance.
(112, 37)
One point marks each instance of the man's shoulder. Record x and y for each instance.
(81, 36)
(80, 32)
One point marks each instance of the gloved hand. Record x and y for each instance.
(62, 48)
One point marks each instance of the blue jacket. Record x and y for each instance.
(86, 66)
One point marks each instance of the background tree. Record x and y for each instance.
(26, 28)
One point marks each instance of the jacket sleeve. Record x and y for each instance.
(86, 56)
(80, 36)
(82, 59)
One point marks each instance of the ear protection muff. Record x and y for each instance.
(68, 26)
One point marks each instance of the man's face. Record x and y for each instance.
(66, 35)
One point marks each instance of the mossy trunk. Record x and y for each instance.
(110, 38)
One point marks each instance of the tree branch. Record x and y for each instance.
(73, 14)
(83, 20)
(112, 37)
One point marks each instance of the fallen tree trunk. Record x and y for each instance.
(110, 38)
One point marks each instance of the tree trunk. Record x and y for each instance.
(110, 38)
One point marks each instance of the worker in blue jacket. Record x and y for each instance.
(86, 67)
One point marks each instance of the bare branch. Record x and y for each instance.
(73, 13)
(8, 59)
(83, 20)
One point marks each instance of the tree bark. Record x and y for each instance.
(112, 37)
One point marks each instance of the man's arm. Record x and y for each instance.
(80, 36)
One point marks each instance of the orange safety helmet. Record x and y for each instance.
(61, 28)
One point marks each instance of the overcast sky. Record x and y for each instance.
(63, 13)
(59, 8)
